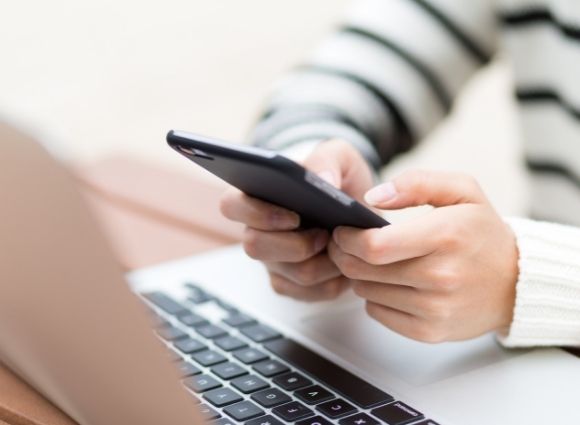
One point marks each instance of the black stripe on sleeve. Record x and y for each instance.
(436, 85)
(404, 137)
(546, 95)
(545, 167)
(470, 45)
(313, 113)
(535, 16)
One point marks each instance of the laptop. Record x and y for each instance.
(206, 338)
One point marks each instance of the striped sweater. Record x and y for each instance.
(390, 74)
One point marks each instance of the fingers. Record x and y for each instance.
(342, 165)
(414, 272)
(257, 214)
(403, 298)
(327, 291)
(403, 241)
(313, 271)
(414, 188)
(292, 247)
(405, 324)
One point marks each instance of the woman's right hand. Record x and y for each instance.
(296, 259)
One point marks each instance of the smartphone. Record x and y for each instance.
(273, 178)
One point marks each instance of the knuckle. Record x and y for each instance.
(428, 333)
(251, 243)
(347, 265)
(416, 179)
(445, 278)
(451, 236)
(277, 284)
(226, 204)
(333, 290)
(436, 309)
(305, 273)
(304, 247)
(374, 248)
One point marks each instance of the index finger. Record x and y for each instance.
(257, 214)
(389, 244)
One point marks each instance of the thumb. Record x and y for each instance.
(415, 188)
(327, 162)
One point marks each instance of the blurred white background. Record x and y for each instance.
(112, 77)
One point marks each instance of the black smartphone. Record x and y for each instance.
(273, 178)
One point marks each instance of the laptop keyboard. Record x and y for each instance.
(243, 371)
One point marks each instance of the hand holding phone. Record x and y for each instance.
(296, 259)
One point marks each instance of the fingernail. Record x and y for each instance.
(328, 177)
(285, 220)
(382, 193)
(320, 241)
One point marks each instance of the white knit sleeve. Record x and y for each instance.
(547, 307)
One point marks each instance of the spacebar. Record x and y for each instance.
(345, 383)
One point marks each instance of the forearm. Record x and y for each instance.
(376, 82)
(547, 307)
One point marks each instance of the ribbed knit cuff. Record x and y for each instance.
(547, 307)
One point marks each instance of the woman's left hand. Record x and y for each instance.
(447, 275)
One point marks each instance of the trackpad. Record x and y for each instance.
(353, 333)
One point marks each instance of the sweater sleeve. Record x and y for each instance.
(384, 79)
(547, 308)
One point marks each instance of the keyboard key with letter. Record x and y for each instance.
(292, 381)
(222, 397)
(243, 411)
(397, 413)
(336, 408)
(249, 384)
(292, 411)
(343, 382)
(271, 397)
(313, 395)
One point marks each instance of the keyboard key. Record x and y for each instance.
(207, 412)
(316, 420)
(293, 411)
(336, 408)
(166, 303)
(211, 331)
(208, 358)
(271, 397)
(427, 422)
(397, 413)
(189, 345)
(193, 320)
(225, 421)
(249, 355)
(222, 397)
(292, 381)
(230, 343)
(260, 333)
(187, 369)
(249, 384)
(359, 419)
(171, 333)
(229, 370)
(244, 411)
(265, 420)
(269, 368)
(201, 383)
(227, 307)
(197, 295)
(313, 395)
(239, 320)
(343, 382)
